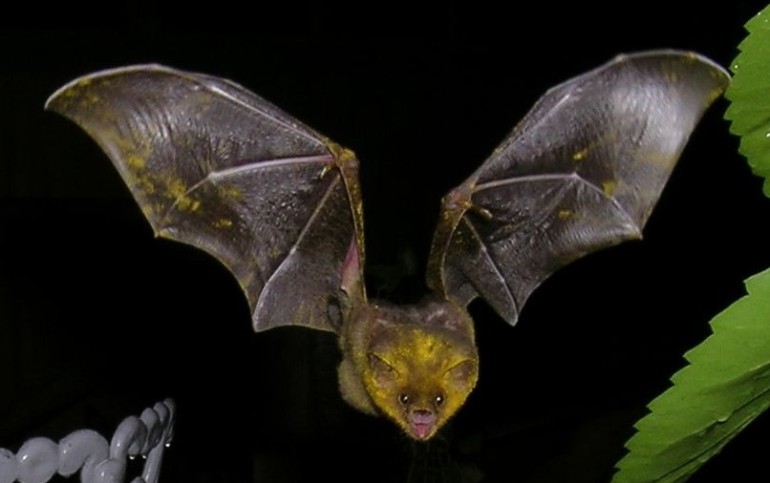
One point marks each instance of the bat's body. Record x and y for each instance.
(216, 166)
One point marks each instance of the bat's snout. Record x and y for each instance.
(422, 423)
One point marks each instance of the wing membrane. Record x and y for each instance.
(581, 172)
(216, 166)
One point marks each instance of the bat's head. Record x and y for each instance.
(420, 374)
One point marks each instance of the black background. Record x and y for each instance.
(98, 319)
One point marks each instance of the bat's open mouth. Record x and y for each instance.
(422, 423)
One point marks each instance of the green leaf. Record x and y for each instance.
(749, 96)
(725, 387)
(727, 384)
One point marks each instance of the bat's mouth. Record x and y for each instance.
(422, 423)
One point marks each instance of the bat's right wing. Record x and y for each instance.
(215, 166)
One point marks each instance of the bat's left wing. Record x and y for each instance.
(581, 172)
(216, 166)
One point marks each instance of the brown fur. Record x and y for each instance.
(415, 365)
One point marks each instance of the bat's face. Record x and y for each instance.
(419, 376)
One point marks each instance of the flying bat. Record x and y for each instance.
(215, 166)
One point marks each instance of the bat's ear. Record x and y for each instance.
(352, 279)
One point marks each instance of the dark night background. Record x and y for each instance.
(98, 319)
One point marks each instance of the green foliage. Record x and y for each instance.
(727, 384)
(749, 96)
(725, 387)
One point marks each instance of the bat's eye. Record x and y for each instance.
(439, 400)
(404, 398)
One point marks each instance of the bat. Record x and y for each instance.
(215, 166)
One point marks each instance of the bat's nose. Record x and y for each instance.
(422, 423)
